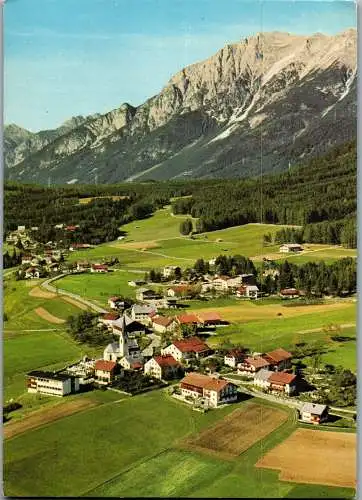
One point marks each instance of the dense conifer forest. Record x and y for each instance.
(320, 197)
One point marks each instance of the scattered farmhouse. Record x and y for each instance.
(282, 382)
(144, 294)
(32, 273)
(83, 265)
(261, 378)
(249, 291)
(290, 247)
(289, 293)
(54, 384)
(105, 371)
(136, 282)
(215, 391)
(314, 413)
(115, 302)
(108, 319)
(162, 324)
(279, 359)
(187, 348)
(209, 318)
(184, 291)
(163, 367)
(234, 357)
(79, 246)
(99, 268)
(187, 319)
(251, 365)
(169, 271)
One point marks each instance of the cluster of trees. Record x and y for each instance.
(186, 227)
(323, 190)
(11, 260)
(341, 232)
(316, 278)
(84, 328)
(234, 265)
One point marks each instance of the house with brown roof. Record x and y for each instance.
(83, 265)
(290, 248)
(188, 319)
(99, 268)
(186, 349)
(145, 294)
(251, 365)
(105, 371)
(279, 359)
(184, 291)
(215, 391)
(162, 324)
(248, 291)
(234, 357)
(289, 293)
(209, 318)
(108, 319)
(163, 367)
(114, 302)
(282, 382)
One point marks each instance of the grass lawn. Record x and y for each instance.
(99, 287)
(118, 436)
(32, 351)
(130, 449)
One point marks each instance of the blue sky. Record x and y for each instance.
(78, 57)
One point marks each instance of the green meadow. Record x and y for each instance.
(130, 449)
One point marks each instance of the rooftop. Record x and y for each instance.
(263, 375)
(205, 382)
(163, 320)
(209, 316)
(256, 361)
(106, 366)
(282, 378)
(49, 375)
(166, 360)
(277, 355)
(185, 319)
(192, 344)
(316, 409)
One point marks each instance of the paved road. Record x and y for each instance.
(47, 286)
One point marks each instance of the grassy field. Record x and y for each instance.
(156, 241)
(130, 449)
(100, 287)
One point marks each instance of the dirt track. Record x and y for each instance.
(238, 431)
(45, 416)
(41, 294)
(316, 457)
(43, 313)
(75, 303)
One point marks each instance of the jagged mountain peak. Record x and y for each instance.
(209, 117)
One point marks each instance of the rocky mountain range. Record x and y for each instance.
(260, 104)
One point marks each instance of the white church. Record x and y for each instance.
(126, 351)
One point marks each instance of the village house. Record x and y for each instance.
(136, 283)
(185, 349)
(215, 391)
(169, 271)
(289, 293)
(209, 319)
(32, 273)
(114, 302)
(282, 382)
(290, 247)
(162, 324)
(99, 268)
(84, 370)
(26, 259)
(188, 319)
(221, 283)
(314, 413)
(261, 378)
(105, 371)
(126, 347)
(21, 229)
(144, 294)
(249, 291)
(54, 384)
(279, 359)
(131, 363)
(108, 319)
(79, 246)
(234, 357)
(83, 265)
(128, 325)
(142, 313)
(251, 365)
(163, 367)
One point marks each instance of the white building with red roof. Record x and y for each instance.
(234, 357)
(279, 359)
(163, 367)
(251, 365)
(162, 324)
(99, 268)
(187, 348)
(209, 318)
(104, 371)
(282, 382)
(215, 391)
